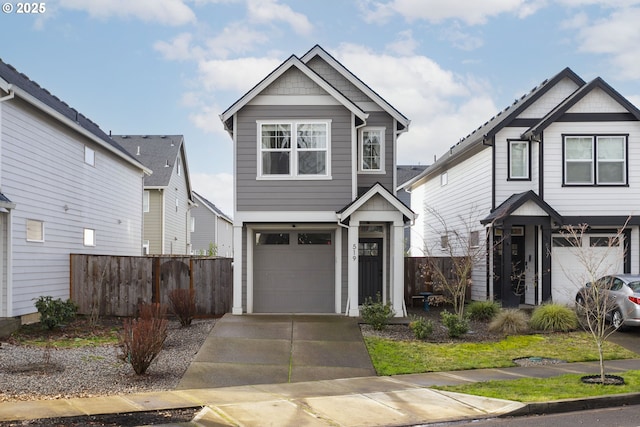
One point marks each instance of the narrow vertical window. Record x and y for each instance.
(275, 147)
(444, 179)
(579, 160)
(145, 201)
(89, 156)
(193, 224)
(372, 150)
(89, 237)
(518, 159)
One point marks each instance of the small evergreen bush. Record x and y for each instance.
(510, 322)
(483, 311)
(554, 317)
(54, 312)
(142, 339)
(376, 313)
(183, 305)
(454, 324)
(421, 327)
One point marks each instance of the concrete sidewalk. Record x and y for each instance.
(372, 401)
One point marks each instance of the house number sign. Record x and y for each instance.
(355, 253)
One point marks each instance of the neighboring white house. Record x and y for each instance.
(66, 187)
(211, 229)
(567, 153)
(317, 226)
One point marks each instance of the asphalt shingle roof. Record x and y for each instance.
(157, 152)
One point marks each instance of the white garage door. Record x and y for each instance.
(294, 272)
(568, 271)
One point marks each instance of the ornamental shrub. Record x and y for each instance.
(54, 313)
(422, 328)
(455, 325)
(482, 311)
(510, 321)
(183, 305)
(142, 339)
(376, 313)
(554, 317)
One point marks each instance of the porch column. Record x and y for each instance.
(237, 270)
(397, 268)
(353, 309)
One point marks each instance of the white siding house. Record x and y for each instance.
(564, 154)
(66, 188)
(210, 229)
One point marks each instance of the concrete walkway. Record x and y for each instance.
(273, 349)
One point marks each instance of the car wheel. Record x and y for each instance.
(617, 320)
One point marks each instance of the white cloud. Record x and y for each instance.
(215, 187)
(179, 49)
(436, 11)
(168, 12)
(404, 45)
(236, 38)
(239, 74)
(270, 11)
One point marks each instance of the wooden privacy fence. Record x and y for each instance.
(109, 285)
(418, 276)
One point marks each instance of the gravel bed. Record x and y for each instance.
(30, 373)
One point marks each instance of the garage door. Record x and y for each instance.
(568, 272)
(294, 272)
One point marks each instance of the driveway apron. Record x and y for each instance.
(271, 349)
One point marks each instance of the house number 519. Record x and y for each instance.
(355, 248)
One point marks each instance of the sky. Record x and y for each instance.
(160, 67)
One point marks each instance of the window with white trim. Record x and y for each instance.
(518, 159)
(89, 237)
(145, 201)
(35, 230)
(595, 160)
(371, 149)
(294, 149)
(89, 156)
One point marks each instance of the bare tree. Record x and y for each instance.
(464, 244)
(593, 302)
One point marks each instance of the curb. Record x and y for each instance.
(572, 405)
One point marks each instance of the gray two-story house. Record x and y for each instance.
(317, 225)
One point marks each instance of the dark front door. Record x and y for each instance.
(518, 268)
(369, 269)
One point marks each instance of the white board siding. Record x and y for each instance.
(549, 100)
(504, 187)
(289, 194)
(462, 203)
(44, 173)
(594, 201)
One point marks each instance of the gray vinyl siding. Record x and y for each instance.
(205, 230)
(290, 194)
(366, 180)
(153, 222)
(177, 219)
(44, 174)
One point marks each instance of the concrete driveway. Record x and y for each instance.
(629, 339)
(271, 349)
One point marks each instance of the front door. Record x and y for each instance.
(369, 269)
(518, 268)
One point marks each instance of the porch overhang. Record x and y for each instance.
(510, 207)
(376, 189)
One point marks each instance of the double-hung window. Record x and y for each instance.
(295, 149)
(372, 150)
(595, 160)
(519, 160)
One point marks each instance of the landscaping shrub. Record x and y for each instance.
(454, 324)
(376, 313)
(554, 317)
(510, 322)
(142, 338)
(483, 311)
(54, 312)
(183, 305)
(421, 327)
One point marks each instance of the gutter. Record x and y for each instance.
(11, 95)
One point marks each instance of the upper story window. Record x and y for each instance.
(595, 160)
(519, 160)
(35, 230)
(444, 179)
(372, 149)
(145, 201)
(296, 149)
(89, 156)
(89, 237)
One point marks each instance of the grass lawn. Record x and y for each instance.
(547, 389)
(391, 357)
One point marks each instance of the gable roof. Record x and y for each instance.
(515, 201)
(376, 189)
(484, 133)
(159, 153)
(317, 50)
(293, 61)
(213, 208)
(18, 84)
(407, 172)
(572, 100)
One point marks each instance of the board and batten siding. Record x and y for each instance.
(461, 204)
(255, 194)
(44, 174)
